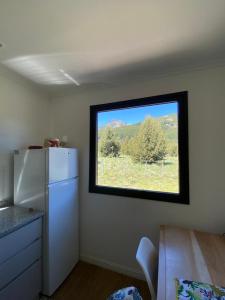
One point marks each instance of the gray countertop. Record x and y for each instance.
(14, 217)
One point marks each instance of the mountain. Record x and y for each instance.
(169, 125)
(122, 130)
(168, 121)
(116, 124)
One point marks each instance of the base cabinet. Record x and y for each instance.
(25, 287)
(21, 265)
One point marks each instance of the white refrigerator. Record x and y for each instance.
(47, 179)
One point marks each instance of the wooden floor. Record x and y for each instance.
(89, 282)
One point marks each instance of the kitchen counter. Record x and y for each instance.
(14, 217)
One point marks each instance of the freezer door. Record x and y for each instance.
(62, 233)
(29, 178)
(62, 164)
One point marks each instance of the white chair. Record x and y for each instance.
(147, 258)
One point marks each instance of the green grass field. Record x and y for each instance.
(123, 172)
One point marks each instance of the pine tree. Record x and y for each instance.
(172, 149)
(149, 146)
(125, 146)
(109, 145)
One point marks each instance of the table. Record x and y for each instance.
(191, 255)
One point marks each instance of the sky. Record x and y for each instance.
(136, 114)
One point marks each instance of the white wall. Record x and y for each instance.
(24, 120)
(111, 226)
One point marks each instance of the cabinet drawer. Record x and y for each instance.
(14, 266)
(19, 239)
(25, 287)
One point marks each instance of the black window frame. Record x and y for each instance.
(181, 98)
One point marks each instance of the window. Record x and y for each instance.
(139, 148)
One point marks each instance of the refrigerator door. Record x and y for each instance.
(29, 178)
(62, 164)
(62, 233)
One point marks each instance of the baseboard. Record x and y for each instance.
(112, 266)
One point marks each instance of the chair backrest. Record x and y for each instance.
(148, 260)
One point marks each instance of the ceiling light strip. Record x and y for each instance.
(69, 77)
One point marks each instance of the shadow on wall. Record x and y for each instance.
(6, 179)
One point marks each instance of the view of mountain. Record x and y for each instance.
(116, 124)
(122, 130)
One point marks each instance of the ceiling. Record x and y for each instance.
(102, 41)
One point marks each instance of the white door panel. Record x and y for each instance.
(73, 163)
(62, 232)
(62, 164)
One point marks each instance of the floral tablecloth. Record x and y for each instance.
(192, 290)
